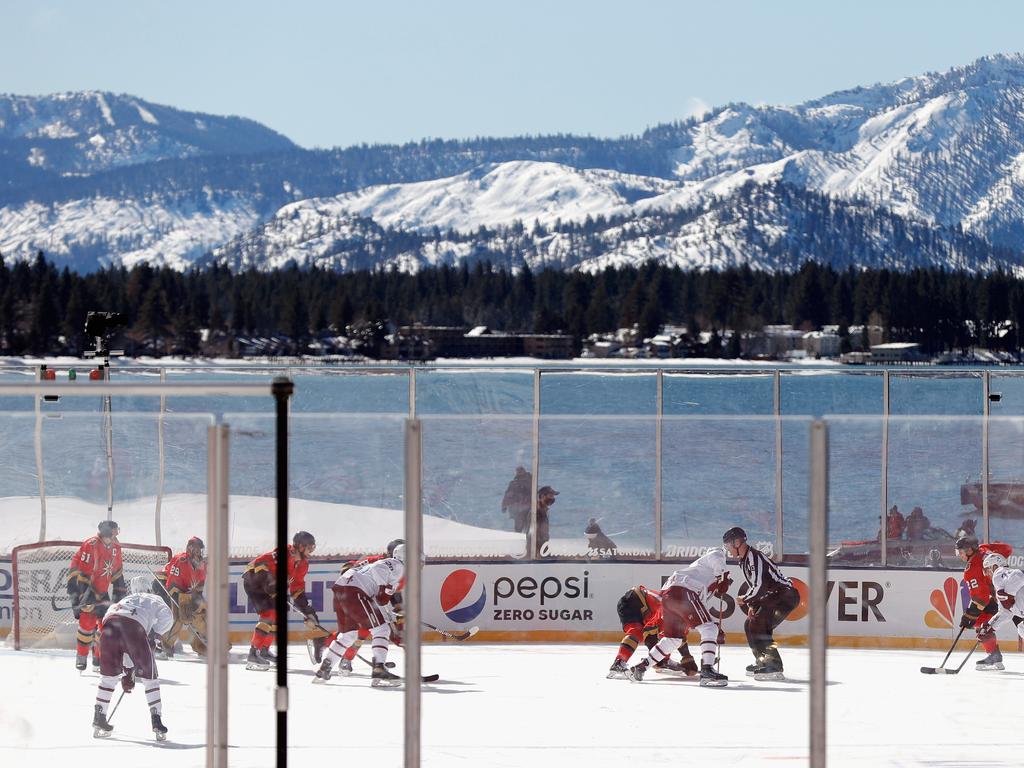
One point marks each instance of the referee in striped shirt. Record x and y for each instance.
(768, 598)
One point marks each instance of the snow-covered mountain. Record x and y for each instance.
(936, 161)
(82, 133)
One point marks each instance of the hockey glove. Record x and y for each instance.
(986, 633)
(128, 681)
(721, 586)
(721, 637)
(969, 617)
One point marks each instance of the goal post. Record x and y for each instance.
(42, 607)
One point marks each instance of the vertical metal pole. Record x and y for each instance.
(883, 533)
(780, 538)
(818, 618)
(984, 454)
(412, 394)
(39, 458)
(217, 637)
(658, 488)
(162, 458)
(531, 536)
(282, 389)
(413, 588)
(108, 429)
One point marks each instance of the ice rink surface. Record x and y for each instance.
(533, 705)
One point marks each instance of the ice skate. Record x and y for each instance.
(81, 662)
(345, 667)
(636, 672)
(711, 679)
(265, 653)
(323, 672)
(100, 727)
(669, 667)
(751, 668)
(768, 671)
(256, 662)
(991, 663)
(617, 671)
(159, 730)
(95, 663)
(384, 678)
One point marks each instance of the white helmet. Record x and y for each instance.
(399, 553)
(993, 560)
(140, 585)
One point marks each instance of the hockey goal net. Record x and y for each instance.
(42, 606)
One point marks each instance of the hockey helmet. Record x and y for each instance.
(196, 549)
(399, 552)
(993, 560)
(304, 538)
(966, 542)
(734, 533)
(140, 584)
(392, 544)
(108, 529)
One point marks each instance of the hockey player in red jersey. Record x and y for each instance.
(983, 605)
(180, 585)
(639, 612)
(95, 582)
(260, 582)
(316, 645)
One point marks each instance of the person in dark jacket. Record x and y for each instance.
(545, 498)
(516, 501)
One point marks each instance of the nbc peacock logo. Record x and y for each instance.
(944, 602)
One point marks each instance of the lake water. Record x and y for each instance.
(597, 445)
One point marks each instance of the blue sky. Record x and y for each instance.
(340, 73)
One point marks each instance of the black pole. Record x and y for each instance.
(282, 389)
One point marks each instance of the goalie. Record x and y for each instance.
(181, 587)
(95, 582)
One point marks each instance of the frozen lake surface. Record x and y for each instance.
(533, 705)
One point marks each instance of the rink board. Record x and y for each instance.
(550, 602)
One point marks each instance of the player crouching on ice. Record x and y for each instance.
(683, 609)
(180, 585)
(360, 595)
(640, 614)
(984, 605)
(127, 629)
(1009, 586)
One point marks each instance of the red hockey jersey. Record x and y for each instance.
(181, 576)
(96, 565)
(978, 584)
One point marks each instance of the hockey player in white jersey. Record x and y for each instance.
(683, 609)
(361, 598)
(1008, 584)
(127, 629)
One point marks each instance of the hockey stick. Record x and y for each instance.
(942, 666)
(423, 678)
(944, 671)
(721, 609)
(116, 705)
(453, 635)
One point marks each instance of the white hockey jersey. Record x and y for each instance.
(699, 574)
(1009, 586)
(387, 573)
(148, 610)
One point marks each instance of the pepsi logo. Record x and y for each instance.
(463, 596)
